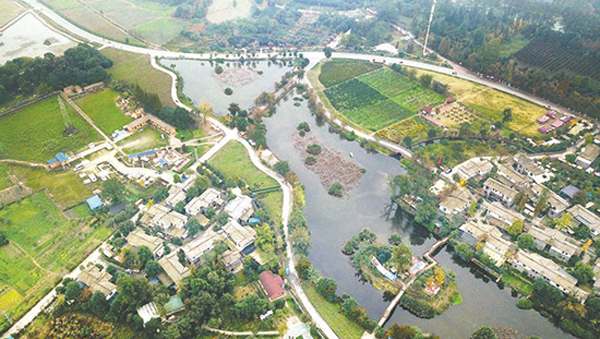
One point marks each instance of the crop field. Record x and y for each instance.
(8, 10)
(87, 18)
(339, 70)
(135, 68)
(44, 246)
(376, 99)
(160, 30)
(102, 109)
(415, 127)
(4, 181)
(36, 132)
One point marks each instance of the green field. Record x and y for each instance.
(234, 162)
(44, 246)
(66, 188)
(102, 109)
(376, 99)
(135, 68)
(341, 325)
(36, 132)
(8, 10)
(143, 140)
(4, 181)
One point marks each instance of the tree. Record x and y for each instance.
(402, 257)
(395, 239)
(152, 269)
(264, 236)
(507, 115)
(282, 167)
(73, 291)
(484, 332)
(176, 178)
(304, 126)
(516, 228)
(98, 303)
(327, 288)
(304, 267)
(113, 190)
(313, 149)
(580, 198)
(336, 189)
(438, 273)
(202, 183)
(525, 241)
(193, 226)
(431, 133)
(3, 239)
(425, 80)
(143, 256)
(401, 332)
(180, 207)
(589, 138)
(407, 141)
(564, 221)
(570, 158)
(328, 52)
(222, 218)
(583, 272)
(542, 204)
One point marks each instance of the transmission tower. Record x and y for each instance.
(429, 27)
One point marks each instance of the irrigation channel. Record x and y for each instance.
(332, 221)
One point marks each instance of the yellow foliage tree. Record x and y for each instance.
(439, 276)
(430, 280)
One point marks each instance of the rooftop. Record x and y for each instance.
(529, 164)
(570, 191)
(174, 269)
(97, 280)
(209, 197)
(139, 238)
(148, 312)
(197, 247)
(512, 175)
(506, 215)
(238, 207)
(586, 217)
(590, 153)
(272, 284)
(94, 202)
(556, 239)
(473, 167)
(457, 200)
(547, 268)
(498, 187)
(240, 235)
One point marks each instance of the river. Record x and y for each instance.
(333, 220)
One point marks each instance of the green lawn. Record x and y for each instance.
(38, 231)
(143, 140)
(135, 68)
(36, 132)
(102, 109)
(234, 162)
(341, 325)
(65, 186)
(4, 181)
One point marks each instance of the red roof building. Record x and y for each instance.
(449, 100)
(272, 285)
(558, 124)
(543, 119)
(544, 129)
(427, 109)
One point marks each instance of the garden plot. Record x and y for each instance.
(388, 82)
(339, 70)
(416, 128)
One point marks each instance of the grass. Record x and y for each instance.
(66, 188)
(4, 181)
(224, 10)
(456, 152)
(36, 132)
(8, 10)
(233, 162)
(38, 231)
(160, 30)
(143, 140)
(337, 71)
(102, 109)
(273, 202)
(341, 325)
(517, 42)
(517, 282)
(135, 68)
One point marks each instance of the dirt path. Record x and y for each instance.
(23, 163)
(33, 259)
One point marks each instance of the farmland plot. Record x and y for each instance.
(339, 70)
(388, 82)
(379, 115)
(353, 94)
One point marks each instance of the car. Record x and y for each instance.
(448, 171)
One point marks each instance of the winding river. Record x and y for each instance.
(332, 220)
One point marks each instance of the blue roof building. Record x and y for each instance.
(62, 157)
(52, 162)
(94, 202)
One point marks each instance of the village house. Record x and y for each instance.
(494, 246)
(539, 267)
(241, 236)
(196, 248)
(518, 180)
(209, 198)
(153, 121)
(556, 204)
(457, 202)
(272, 285)
(496, 190)
(500, 216)
(586, 217)
(240, 208)
(232, 261)
(153, 213)
(174, 269)
(94, 87)
(474, 167)
(97, 280)
(527, 166)
(139, 238)
(176, 195)
(555, 242)
(60, 160)
(172, 219)
(588, 156)
(72, 90)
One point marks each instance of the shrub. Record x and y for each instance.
(310, 160)
(228, 91)
(417, 307)
(314, 149)
(218, 69)
(336, 189)
(524, 304)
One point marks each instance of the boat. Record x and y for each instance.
(351, 155)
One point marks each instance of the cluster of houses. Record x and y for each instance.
(549, 122)
(160, 160)
(510, 189)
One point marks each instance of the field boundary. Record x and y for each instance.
(25, 104)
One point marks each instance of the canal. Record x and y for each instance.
(333, 220)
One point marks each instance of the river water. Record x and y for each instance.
(332, 221)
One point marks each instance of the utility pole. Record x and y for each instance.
(429, 27)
